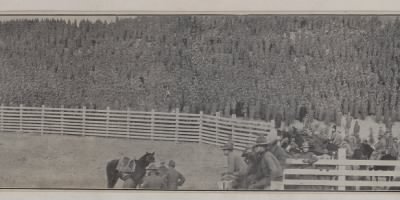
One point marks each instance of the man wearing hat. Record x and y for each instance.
(236, 167)
(307, 156)
(173, 178)
(269, 168)
(162, 169)
(153, 180)
(381, 145)
(249, 157)
(394, 148)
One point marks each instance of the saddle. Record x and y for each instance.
(126, 165)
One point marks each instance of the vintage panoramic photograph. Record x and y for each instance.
(200, 102)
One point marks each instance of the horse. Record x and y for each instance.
(386, 156)
(363, 152)
(133, 179)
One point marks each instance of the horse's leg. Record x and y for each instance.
(129, 183)
(112, 174)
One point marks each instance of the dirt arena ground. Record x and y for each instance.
(55, 161)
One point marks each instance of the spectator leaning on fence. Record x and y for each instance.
(306, 155)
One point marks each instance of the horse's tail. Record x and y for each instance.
(112, 173)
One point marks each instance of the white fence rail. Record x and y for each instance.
(177, 127)
(340, 174)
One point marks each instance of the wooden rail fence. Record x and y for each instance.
(339, 174)
(162, 126)
(184, 127)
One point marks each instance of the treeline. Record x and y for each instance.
(258, 66)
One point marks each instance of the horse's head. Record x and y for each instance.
(249, 157)
(148, 158)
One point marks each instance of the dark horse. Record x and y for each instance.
(363, 152)
(386, 156)
(132, 179)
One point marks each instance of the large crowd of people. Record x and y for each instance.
(263, 67)
(261, 166)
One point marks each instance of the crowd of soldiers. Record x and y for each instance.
(261, 166)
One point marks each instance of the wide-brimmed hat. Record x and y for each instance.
(227, 146)
(261, 141)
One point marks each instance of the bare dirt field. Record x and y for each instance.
(55, 161)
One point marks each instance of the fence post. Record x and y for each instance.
(217, 114)
(20, 117)
(62, 119)
(341, 157)
(42, 120)
(83, 120)
(201, 127)
(176, 124)
(152, 125)
(1, 117)
(107, 120)
(233, 128)
(128, 121)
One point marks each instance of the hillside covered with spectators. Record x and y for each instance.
(263, 67)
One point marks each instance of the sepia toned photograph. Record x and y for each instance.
(200, 102)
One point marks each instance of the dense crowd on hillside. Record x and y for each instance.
(264, 67)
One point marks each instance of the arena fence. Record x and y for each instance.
(162, 126)
(184, 127)
(340, 174)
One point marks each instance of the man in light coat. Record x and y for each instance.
(236, 166)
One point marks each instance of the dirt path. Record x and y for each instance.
(55, 161)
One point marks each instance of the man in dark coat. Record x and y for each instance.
(173, 178)
(269, 167)
(153, 180)
(356, 129)
(162, 169)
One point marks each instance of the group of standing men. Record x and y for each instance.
(163, 178)
(259, 167)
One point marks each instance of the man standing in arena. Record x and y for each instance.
(236, 167)
(153, 180)
(162, 169)
(173, 178)
(270, 170)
